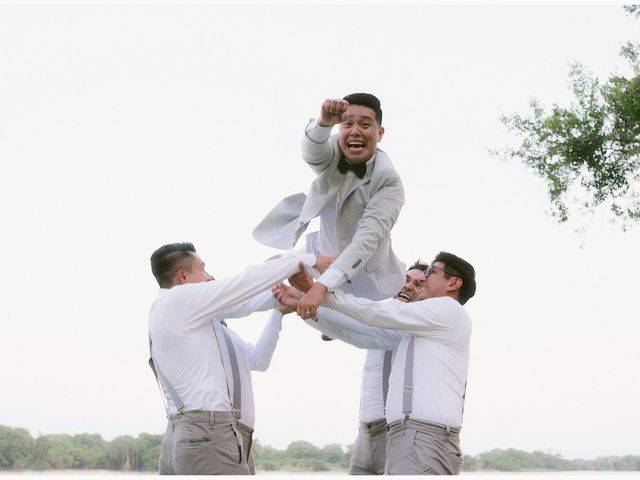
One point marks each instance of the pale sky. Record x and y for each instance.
(124, 128)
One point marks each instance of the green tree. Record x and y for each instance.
(89, 451)
(588, 153)
(148, 452)
(469, 464)
(332, 453)
(122, 453)
(60, 452)
(266, 457)
(39, 459)
(16, 445)
(302, 449)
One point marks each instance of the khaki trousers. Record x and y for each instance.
(206, 443)
(368, 453)
(416, 447)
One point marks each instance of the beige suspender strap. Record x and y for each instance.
(230, 365)
(162, 380)
(386, 371)
(235, 372)
(407, 392)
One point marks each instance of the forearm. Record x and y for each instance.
(341, 327)
(389, 314)
(257, 303)
(317, 150)
(260, 355)
(211, 298)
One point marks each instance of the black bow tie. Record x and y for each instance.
(359, 168)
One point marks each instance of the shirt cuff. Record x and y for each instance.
(332, 278)
(317, 133)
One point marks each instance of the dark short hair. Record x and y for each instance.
(366, 100)
(419, 265)
(170, 258)
(464, 270)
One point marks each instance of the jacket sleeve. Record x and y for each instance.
(317, 150)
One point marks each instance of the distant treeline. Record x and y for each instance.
(20, 451)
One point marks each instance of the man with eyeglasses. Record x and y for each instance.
(428, 377)
(368, 454)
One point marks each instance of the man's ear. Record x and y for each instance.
(180, 277)
(455, 283)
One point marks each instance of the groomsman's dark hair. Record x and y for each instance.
(170, 258)
(459, 268)
(418, 265)
(366, 100)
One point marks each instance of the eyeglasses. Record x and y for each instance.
(433, 266)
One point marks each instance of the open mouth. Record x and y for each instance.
(355, 145)
(404, 297)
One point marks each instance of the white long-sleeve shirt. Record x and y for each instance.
(185, 347)
(376, 340)
(442, 330)
(255, 357)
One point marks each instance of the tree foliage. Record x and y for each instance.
(512, 460)
(588, 153)
(20, 451)
(16, 445)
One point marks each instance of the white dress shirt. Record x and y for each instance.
(442, 330)
(376, 340)
(256, 357)
(184, 345)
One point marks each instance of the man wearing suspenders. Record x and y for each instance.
(428, 377)
(368, 456)
(202, 366)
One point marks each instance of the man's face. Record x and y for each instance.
(359, 134)
(436, 282)
(198, 273)
(413, 289)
